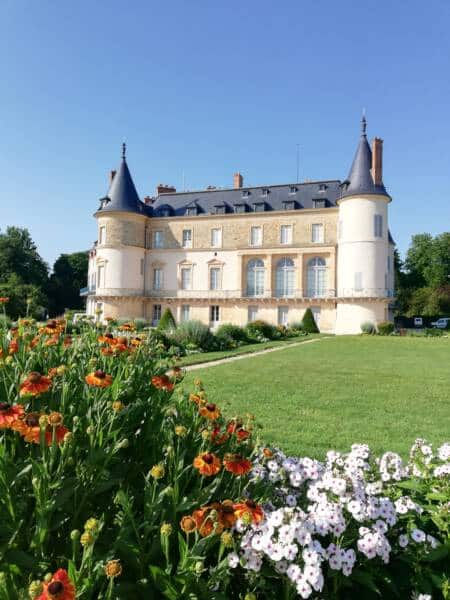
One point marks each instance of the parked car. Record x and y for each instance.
(441, 323)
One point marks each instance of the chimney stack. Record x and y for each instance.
(238, 181)
(112, 174)
(377, 161)
(162, 188)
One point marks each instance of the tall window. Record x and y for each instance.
(101, 276)
(255, 277)
(142, 266)
(158, 239)
(214, 278)
(317, 233)
(157, 279)
(286, 234)
(185, 312)
(187, 238)
(316, 277)
(252, 313)
(214, 316)
(378, 225)
(216, 238)
(156, 313)
(283, 315)
(340, 228)
(186, 278)
(389, 263)
(358, 282)
(285, 277)
(102, 235)
(256, 236)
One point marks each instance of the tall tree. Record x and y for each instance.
(19, 256)
(69, 275)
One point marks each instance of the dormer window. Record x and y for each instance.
(259, 206)
(191, 211)
(289, 204)
(293, 190)
(319, 203)
(164, 210)
(264, 192)
(245, 193)
(104, 202)
(322, 187)
(219, 209)
(240, 208)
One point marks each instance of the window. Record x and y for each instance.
(214, 278)
(286, 234)
(256, 236)
(358, 282)
(142, 266)
(216, 238)
(255, 277)
(292, 189)
(164, 211)
(378, 225)
(322, 187)
(214, 315)
(340, 228)
(389, 263)
(156, 313)
(316, 277)
(102, 235)
(219, 209)
(245, 193)
(252, 313)
(158, 239)
(317, 233)
(191, 211)
(259, 206)
(187, 238)
(319, 203)
(101, 276)
(285, 277)
(264, 192)
(239, 208)
(157, 279)
(283, 314)
(289, 204)
(185, 312)
(186, 279)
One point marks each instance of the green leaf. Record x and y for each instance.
(366, 580)
(163, 583)
(437, 554)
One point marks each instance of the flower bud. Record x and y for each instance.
(198, 567)
(180, 430)
(75, 535)
(43, 421)
(35, 589)
(157, 471)
(123, 444)
(87, 539)
(92, 525)
(90, 430)
(250, 596)
(166, 529)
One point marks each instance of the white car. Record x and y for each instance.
(441, 323)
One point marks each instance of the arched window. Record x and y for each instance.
(255, 277)
(285, 277)
(316, 277)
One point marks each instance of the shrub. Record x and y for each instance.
(434, 332)
(309, 324)
(233, 332)
(296, 326)
(256, 330)
(140, 324)
(167, 322)
(195, 334)
(385, 328)
(368, 328)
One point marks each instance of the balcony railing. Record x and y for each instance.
(87, 290)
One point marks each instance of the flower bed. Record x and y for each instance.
(116, 483)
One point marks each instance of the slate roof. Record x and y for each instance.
(250, 199)
(359, 180)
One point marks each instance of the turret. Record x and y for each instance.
(363, 282)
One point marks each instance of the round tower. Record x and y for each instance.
(120, 252)
(364, 281)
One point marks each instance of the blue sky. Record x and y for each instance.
(209, 88)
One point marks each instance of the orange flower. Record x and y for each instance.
(207, 463)
(13, 347)
(108, 351)
(28, 426)
(267, 452)
(108, 338)
(35, 384)
(207, 520)
(227, 514)
(35, 341)
(53, 340)
(195, 398)
(236, 464)
(58, 432)
(99, 379)
(9, 414)
(210, 411)
(162, 382)
(67, 341)
(52, 372)
(248, 511)
(60, 587)
(242, 434)
(217, 437)
(4, 300)
(136, 341)
(188, 524)
(118, 348)
(127, 327)
(52, 327)
(1, 352)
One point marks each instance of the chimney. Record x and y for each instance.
(377, 161)
(162, 188)
(148, 200)
(238, 181)
(112, 174)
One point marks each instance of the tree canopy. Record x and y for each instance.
(69, 275)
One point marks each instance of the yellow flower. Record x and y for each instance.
(117, 406)
(166, 529)
(227, 539)
(87, 539)
(113, 568)
(91, 525)
(157, 471)
(180, 430)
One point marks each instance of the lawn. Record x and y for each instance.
(340, 390)
(201, 357)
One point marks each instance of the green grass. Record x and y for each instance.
(201, 357)
(339, 391)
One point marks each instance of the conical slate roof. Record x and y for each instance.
(122, 194)
(359, 180)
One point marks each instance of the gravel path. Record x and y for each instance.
(221, 361)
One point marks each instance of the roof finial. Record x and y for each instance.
(124, 149)
(363, 122)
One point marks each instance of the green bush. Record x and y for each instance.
(296, 326)
(309, 324)
(432, 332)
(385, 328)
(195, 334)
(167, 322)
(368, 328)
(261, 329)
(233, 332)
(140, 324)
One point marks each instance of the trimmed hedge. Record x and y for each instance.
(385, 328)
(259, 328)
(167, 322)
(309, 324)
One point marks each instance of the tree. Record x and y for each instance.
(309, 324)
(70, 273)
(24, 298)
(427, 261)
(167, 322)
(19, 256)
